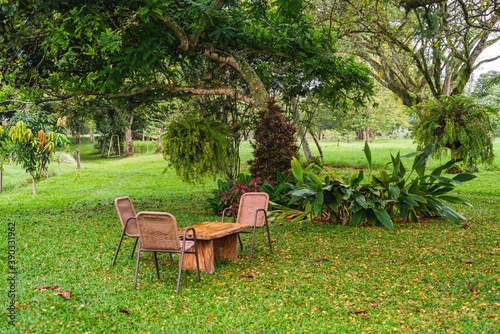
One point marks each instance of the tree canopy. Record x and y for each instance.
(419, 49)
(165, 49)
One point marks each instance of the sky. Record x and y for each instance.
(493, 66)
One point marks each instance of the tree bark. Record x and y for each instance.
(77, 158)
(301, 130)
(33, 183)
(129, 143)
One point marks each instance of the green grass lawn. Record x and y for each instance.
(428, 277)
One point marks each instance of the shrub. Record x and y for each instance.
(34, 151)
(229, 192)
(320, 195)
(274, 144)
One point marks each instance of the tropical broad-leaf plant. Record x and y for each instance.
(393, 193)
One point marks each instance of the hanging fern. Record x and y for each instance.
(458, 124)
(197, 147)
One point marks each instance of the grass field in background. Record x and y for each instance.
(433, 276)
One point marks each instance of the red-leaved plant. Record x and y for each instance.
(231, 198)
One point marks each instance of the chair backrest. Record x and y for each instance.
(158, 231)
(249, 204)
(125, 210)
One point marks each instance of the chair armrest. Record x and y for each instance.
(256, 215)
(185, 234)
(126, 222)
(224, 212)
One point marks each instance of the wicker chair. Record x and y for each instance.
(158, 233)
(126, 213)
(252, 211)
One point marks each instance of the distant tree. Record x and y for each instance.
(487, 91)
(34, 151)
(418, 49)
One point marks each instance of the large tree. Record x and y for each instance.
(419, 49)
(173, 48)
(159, 50)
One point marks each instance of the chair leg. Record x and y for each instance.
(181, 260)
(155, 260)
(118, 248)
(269, 238)
(135, 245)
(241, 243)
(197, 261)
(253, 243)
(137, 267)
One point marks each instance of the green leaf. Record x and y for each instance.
(361, 200)
(368, 155)
(421, 159)
(357, 180)
(302, 192)
(403, 209)
(451, 214)
(453, 199)
(464, 177)
(398, 168)
(318, 204)
(384, 218)
(394, 191)
(357, 217)
(444, 179)
(297, 170)
(315, 180)
(383, 177)
(300, 217)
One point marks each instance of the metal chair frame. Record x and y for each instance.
(181, 251)
(124, 226)
(254, 225)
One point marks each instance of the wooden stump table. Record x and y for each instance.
(215, 241)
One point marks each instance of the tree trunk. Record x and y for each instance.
(360, 135)
(33, 182)
(318, 146)
(77, 158)
(78, 137)
(129, 144)
(301, 130)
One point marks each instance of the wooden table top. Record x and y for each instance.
(214, 230)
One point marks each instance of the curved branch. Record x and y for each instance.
(157, 91)
(179, 32)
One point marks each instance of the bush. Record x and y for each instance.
(229, 192)
(274, 145)
(320, 195)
